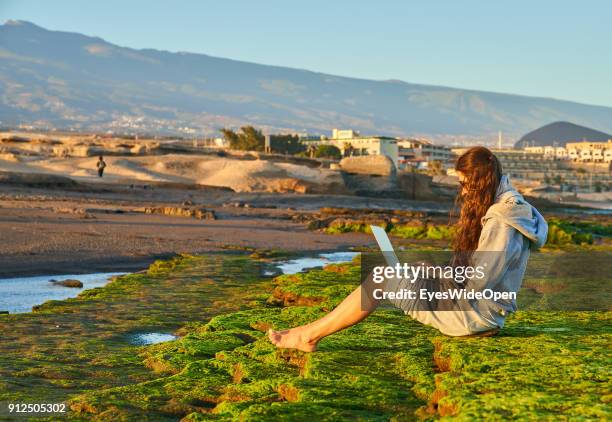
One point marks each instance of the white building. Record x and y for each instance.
(535, 150)
(561, 153)
(220, 143)
(555, 153)
(350, 142)
(597, 155)
(585, 155)
(575, 151)
(590, 151)
(423, 151)
(573, 154)
(344, 134)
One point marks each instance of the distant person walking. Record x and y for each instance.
(101, 165)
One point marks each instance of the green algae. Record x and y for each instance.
(227, 369)
(563, 232)
(360, 373)
(81, 344)
(543, 365)
(337, 227)
(326, 288)
(421, 231)
(564, 280)
(427, 231)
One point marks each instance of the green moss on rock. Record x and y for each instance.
(543, 365)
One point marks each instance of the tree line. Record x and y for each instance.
(249, 138)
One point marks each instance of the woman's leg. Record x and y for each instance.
(356, 307)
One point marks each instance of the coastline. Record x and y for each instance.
(77, 266)
(49, 231)
(57, 231)
(40, 238)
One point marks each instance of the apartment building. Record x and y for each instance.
(598, 152)
(422, 151)
(555, 153)
(351, 142)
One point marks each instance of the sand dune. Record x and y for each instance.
(239, 175)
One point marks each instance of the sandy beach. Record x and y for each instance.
(101, 227)
(40, 237)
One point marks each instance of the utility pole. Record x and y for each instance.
(591, 175)
(413, 183)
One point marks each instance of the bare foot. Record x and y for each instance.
(292, 339)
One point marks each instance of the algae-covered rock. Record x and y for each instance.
(68, 283)
(69, 347)
(542, 366)
(194, 212)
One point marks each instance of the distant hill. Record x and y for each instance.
(67, 80)
(560, 133)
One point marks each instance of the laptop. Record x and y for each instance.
(385, 245)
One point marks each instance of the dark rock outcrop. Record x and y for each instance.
(198, 213)
(68, 283)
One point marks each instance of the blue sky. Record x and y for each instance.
(560, 49)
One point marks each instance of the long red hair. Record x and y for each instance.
(483, 172)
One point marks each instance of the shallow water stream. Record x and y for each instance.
(297, 265)
(20, 294)
(144, 339)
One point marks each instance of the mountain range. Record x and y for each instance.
(54, 79)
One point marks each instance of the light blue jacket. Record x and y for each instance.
(511, 228)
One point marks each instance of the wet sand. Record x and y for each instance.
(93, 227)
(38, 240)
